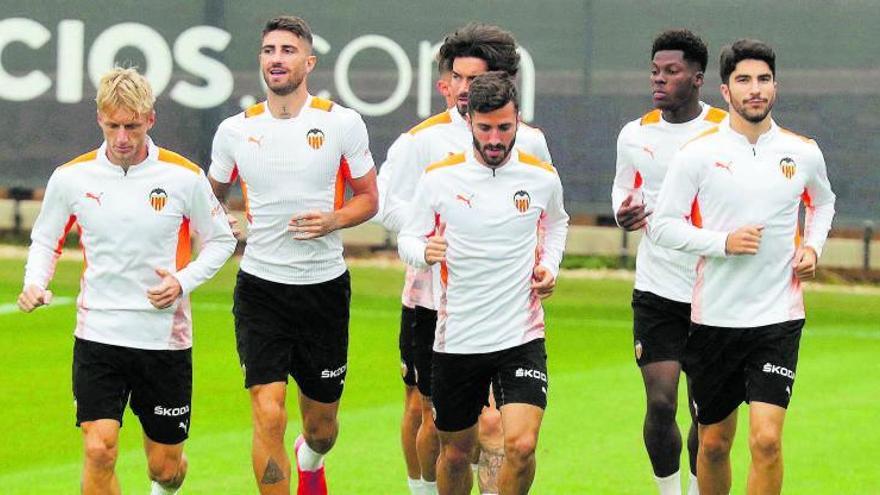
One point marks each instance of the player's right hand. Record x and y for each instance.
(744, 240)
(236, 228)
(435, 250)
(632, 216)
(33, 297)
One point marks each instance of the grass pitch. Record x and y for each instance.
(590, 441)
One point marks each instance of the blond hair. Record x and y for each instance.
(125, 88)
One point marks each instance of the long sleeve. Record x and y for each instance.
(676, 224)
(47, 236)
(413, 237)
(393, 209)
(819, 207)
(208, 220)
(554, 224)
(408, 168)
(624, 175)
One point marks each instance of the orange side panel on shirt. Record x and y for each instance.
(184, 245)
(70, 221)
(808, 202)
(807, 199)
(637, 183)
(696, 217)
(247, 204)
(343, 177)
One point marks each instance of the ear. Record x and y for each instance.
(699, 78)
(311, 62)
(151, 119)
(443, 88)
(725, 92)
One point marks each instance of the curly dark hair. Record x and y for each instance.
(491, 91)
(692, 46)
(485, 41)
(290, 23)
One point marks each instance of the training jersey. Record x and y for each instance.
(644, 148)
(720, 182)
(498, 224)
(290, 166)
(131, 223)
(432, 140)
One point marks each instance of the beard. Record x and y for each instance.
(284, 89)
(753, 116)
(494, 162)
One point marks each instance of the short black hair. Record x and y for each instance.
(745, 49)
(290, 23)
(485, 41)
(444, 65)
(490, 91)
(692, 46)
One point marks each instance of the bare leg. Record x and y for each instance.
(166, 463)
(454, 466)
(521, 425)
(713, 460)
(270, 462)
(100, 439)
(409, 428)
(428, 441)
(765, 443)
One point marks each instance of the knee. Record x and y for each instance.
(457, 457)
(765, 445)
(662, 409)
(715, 448)
(270, 417)
(490, 423)
(521, 450)
(101, 453)
(167, 470)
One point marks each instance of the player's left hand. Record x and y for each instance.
(543, 282)
(163, 295)
(312, 224)
(805, 260)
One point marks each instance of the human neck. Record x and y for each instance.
(751, 130)
(685, 113)
(287, 106)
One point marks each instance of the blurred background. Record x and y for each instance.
(585, 74)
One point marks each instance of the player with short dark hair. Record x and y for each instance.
(494, 267)
(664, 278)
(732, 197)
(295, 154)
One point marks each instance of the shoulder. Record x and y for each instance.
(168, 157)
(446, 163)
(534, 161)
(629, 130)
(344, 116)
(715, 115)
(433, 121)
(79, 161)
(234, 123)
(798, 139)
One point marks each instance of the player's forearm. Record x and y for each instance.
(220, 189)
(555, 235)
(40, 264)
(360, 208)
(816, 226)
(411, 250)
(213, 254)
(675, 233)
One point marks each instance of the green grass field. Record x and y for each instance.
(591, 437)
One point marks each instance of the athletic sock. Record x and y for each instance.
(429, 487)
(670, 485)
(308, 459)
(693, 488)
(415, 486)
(157, 489)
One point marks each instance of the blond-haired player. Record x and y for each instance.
(135, 206)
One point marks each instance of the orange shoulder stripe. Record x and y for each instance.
(715, 115)
(707, 132)
(799, 136)
(652, 117)
(534, 161)
(255, 110)
(321, 104)
(456, 159)
(440, 118)
(173, 158)
(85, 157)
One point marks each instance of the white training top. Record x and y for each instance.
(644, 148)
(719, 182)
(130, 224)
(290, 166)
(498, 226)
(432, 140)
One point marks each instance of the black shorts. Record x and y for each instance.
(660, 328)
(296, 330)
(461, 382)
(417, 327)
(158, 383)
(407, 345)
(727, 366)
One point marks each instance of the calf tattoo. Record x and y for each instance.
(273, 473)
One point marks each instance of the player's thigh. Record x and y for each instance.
(100, 388)
(406, 345)
(161, 394)
(660, 328)
(772, 364)
(520, 375)
(459, 389)
(714, 360)
(425, 325)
